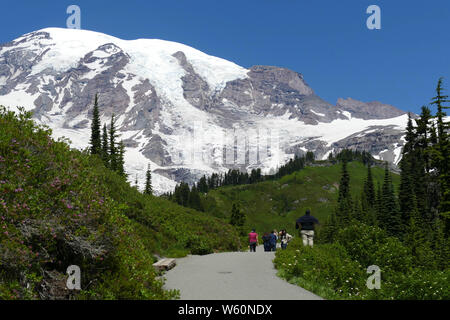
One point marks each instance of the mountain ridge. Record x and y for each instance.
(165, 92)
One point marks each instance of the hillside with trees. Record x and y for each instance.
(62, 207)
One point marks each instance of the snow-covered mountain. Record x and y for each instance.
(183, 111)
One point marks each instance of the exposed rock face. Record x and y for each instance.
(161, 90)
(277, 91)
(369, 110)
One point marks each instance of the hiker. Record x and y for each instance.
(306, 225)
(253, 240)
(284, 239)
(266, 241)
(273, 240)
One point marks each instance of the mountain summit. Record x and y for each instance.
(183, 111)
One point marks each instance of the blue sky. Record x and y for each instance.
(327, 41)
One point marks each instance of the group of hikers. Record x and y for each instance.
(305, 224)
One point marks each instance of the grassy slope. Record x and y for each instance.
(60, 207)
(277, 204)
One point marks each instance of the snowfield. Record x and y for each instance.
(193, 137)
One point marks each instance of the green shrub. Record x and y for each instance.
(60, 207)
(371, 246)
(338, 271)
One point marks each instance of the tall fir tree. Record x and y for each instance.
(113, 152)
(423, 135)
(95, 129)
(407, 166)
(441, 153)
(237, 217)
(378, 202)
(181, 194)
(194, 201)
(369, 188)
(368, 199)
(148, 181)
(105, 152)
(202, 185)
(390, 219)
(345, 204)
(121, 159)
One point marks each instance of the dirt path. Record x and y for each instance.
(232, 276)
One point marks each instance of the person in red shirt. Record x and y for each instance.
(253, 240)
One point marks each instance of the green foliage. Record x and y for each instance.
(60, 207)
(389, 216)
(148, 181)
(112, 147)
(338, 270)
(95, 129)
(237, 216)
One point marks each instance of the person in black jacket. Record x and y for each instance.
(266, 241)
(306, 225)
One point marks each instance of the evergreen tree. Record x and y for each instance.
(441, 153)
(441, 247)
(310, 157)
(237, 216)
(121, 159)
(202, 185)
(148, 181)
(95, 129)
(105, 152)
(194, 201)
(390, 219)
(369, 188)
(181, 194)
(113, 152)
(407, 166)
(345, 204)
(423, 135)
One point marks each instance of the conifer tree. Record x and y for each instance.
(148, 181)
(407, 166)
(121, 159)
(378, 202)
(441, 153)
(369, 188)
(237, 216)
(194, 201)
(105, 154)
(181, 194)
(390, 219)
(441, 247)
(95, 129)
(423, 135)
(202, 185)
(345, 204)
(113, 152)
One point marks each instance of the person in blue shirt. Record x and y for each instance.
(306, 225)
(273, 240)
